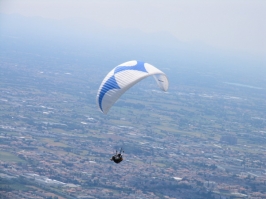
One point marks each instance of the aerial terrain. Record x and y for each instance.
(204, 138)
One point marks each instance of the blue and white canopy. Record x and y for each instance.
(123, 77)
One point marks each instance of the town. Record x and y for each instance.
(191, 142)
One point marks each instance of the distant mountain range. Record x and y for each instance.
(91, 43)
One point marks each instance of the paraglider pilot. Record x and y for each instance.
(117, 158)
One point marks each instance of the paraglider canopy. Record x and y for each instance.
(123, 77)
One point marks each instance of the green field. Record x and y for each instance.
(9, 157)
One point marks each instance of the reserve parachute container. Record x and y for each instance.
(122, 78)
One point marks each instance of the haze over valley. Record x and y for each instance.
(203, 138)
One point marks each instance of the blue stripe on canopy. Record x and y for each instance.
(108, 85)
(139, 67)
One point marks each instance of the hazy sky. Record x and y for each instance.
(238, 25)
